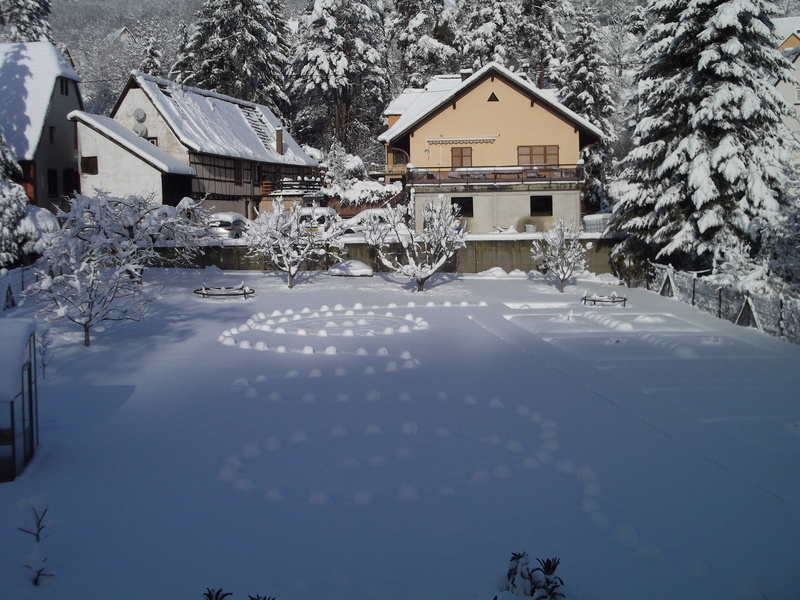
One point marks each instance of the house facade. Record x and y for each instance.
(788, 30)
(493, 143)
(169, 141)
(39, 88)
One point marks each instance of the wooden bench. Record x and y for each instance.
(594, 300)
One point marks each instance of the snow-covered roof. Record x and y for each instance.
(786, 26)
(134, 144)
(415, 105)
(14, 334)
(213, 123)
(28, 73)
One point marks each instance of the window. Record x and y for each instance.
(461, 156)
(52, 182)
(255, 173)
(537, 155)
(89, 165)
(153, 140)
(64, 86)
(237, 172)
(541, 206)
(797, 95)
(465, 204)
(52, 131)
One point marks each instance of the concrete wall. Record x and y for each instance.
(478, 256)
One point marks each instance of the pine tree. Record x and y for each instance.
(709, 170)
(151, 62)
(239, 48)
(486, 34)
(586, 91)
(424, 41)
(12, 208)
(26, 21)
(340, 81)
(541, 38)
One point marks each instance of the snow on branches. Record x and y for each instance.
(560, 252)
(416, 254)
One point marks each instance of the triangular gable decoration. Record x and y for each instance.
(493, 98)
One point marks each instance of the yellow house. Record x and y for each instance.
(493, 143)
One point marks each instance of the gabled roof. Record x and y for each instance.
(786, 26)
(28, 74)
(134, 144)
(211, 123)
(417, 106)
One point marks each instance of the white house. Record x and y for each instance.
(38, 88)
(170, 141)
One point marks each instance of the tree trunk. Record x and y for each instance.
(86, 334)
(421, 284)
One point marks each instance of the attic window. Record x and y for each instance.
(165, 90)
(493, 98)
(64, 86)
(89, 165)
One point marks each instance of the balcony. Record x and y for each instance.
(540, 175)
(298, 185)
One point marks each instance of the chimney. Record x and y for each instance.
(279, 139)
(466, 74)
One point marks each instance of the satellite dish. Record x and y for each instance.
(140, 130)
(139, 115)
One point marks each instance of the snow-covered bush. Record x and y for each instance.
(12, 213)
(416, 254)
(286, 241)
(540, 583)
(560, 251)
(346, 178)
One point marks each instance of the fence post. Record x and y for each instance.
(719, 303)
(694, 285)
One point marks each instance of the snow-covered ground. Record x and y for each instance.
(350, 439)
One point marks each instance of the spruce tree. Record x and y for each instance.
(151, 62)
(26, 21)
(340, 81)
(239, 48)
(586, 91)
(710, 166)
(424, 41)
(541, 39)
(487, 33)
(12, 208)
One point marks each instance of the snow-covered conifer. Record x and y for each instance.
(424, 41)
(26, 21)
(586, 91)
(710, 166)
(416, 254)
(340, 83)
(12, 207)
(151, 62)
(239, 48)
(487, 32)
(541, 39)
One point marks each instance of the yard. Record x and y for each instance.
(350, 439)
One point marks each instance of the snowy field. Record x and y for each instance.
(353, 440)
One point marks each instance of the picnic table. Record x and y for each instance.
(594, 300)
(225, 291)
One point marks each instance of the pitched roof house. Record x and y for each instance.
(171, 141)
(788, 30)
(39, 87)
(505, 151)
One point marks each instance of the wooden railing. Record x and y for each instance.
(307, 184)
(496, 174)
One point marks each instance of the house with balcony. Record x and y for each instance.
(788, 30)
(39, 88)
(505, 151)
(170, 141)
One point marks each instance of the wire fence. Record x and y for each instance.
(776, 315)
(12, 284)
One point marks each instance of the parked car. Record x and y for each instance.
(227, 225)
(317, 218)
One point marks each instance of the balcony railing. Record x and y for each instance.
(304, 184)
(497, 174)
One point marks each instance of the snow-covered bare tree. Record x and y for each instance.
(416, 254)
(91, 268)
(239, 48)
(287, 241)
(340, 84)
(586, 91)
(541, 38)
(26, 21)
(424, 41)
(487, 32)
(560, 252)
(711, 164)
